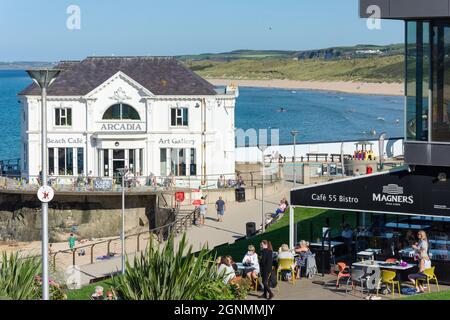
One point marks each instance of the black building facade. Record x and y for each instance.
(418, 195)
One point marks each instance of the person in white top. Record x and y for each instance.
(251, 263)
(285, 253)
(421, 249)
(226, 270)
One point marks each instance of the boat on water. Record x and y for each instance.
(381, 119)
(282, 110)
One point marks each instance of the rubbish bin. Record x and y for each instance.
(240, 195)
(250, 229)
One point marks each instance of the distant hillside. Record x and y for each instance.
(374, 69)
(333, 53)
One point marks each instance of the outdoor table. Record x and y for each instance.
(365, 255)
(384, 265)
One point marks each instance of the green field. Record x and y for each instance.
(374, 69)
(443, 295)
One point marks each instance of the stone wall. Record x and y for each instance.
(93, 216)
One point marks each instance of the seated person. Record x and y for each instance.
(303, 252)
(251, 264)
(347, 236)
(98, 294)
(281, 208)
(285, 253)
(226, 270)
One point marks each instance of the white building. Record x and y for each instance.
(149, 114)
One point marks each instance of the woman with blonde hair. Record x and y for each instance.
(251, 263)
(421, 250)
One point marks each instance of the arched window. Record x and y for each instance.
(121, 111)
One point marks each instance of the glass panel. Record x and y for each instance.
(80, 160)
(174, 162)
(182, 162)
(51, 161)
(113, 113)
(69, 117)
(185, 116)
(119, 154)
(441, 88)
(131, 158)
(193, 165)
(173, 117)
(61, 161)
(57, 117)
(417, 80)
(163, 162)
(129, 113)
(141, 161)
(69, 161)
(106, 163)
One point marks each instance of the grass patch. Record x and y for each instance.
(85, 292)
(309, 227)
(443, 295)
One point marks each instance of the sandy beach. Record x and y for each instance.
(389, 89)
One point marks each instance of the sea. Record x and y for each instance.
(318, 116)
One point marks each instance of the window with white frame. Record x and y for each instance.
(63, 117)
(178, 117)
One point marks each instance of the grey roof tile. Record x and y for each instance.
(159, 75)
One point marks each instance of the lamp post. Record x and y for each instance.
(44, 78)
(294, 133)
(122, 172)
(263, 218)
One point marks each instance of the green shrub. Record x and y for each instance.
(166, 274)
(17, 277)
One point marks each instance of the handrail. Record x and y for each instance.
(92, 245)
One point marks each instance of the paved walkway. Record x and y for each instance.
(211, 234)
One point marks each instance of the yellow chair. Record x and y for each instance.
(286, 265)
(387, 277)
(430, 277)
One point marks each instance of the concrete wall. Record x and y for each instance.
(94, 216)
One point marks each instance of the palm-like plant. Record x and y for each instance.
(166, 274)
(17, 276)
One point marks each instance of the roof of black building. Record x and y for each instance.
(159, 75)
(404, 9)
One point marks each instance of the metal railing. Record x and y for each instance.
(138, 183)
(161, 234)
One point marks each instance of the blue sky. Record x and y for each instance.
(32, 30)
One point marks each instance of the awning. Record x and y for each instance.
(423, 191)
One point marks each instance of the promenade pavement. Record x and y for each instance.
(211, 234)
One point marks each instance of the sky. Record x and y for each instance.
(36, 30)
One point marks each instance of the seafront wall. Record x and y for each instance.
(392, 148)
(89, 216)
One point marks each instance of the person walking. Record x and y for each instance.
(202, 211)
(266, 268)
(72, 240)
(220, 207)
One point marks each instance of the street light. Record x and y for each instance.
(263, 218)
(122, 172)
(294, 133)
(44, 78)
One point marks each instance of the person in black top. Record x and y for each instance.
(266, 267)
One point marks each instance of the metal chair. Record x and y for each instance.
(358, 275)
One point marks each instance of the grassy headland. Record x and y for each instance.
(379, 69)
